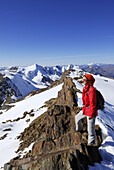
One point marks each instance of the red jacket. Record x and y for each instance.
(89, 99)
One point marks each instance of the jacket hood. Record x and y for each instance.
(90, 78)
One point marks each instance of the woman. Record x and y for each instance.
(89, 108)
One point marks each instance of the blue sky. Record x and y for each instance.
(51, 32)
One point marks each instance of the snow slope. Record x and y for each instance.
(10, 144)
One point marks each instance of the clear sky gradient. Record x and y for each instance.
(51, 32)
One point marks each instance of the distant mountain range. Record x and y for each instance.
(37, 131)
(106, 70)
(16, 82)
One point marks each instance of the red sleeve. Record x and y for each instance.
(92, 102)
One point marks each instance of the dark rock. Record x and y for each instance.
(4, 136)
(7, 90)
(28, 120)
(9, 129)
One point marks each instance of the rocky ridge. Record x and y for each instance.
(56, 143)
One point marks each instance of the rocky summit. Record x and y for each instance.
(57, 145)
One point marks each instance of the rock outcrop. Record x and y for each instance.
(57, 146)
(8, 91)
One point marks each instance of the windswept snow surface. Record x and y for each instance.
(10, 144)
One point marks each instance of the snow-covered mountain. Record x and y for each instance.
(16, 82)
(14, 120)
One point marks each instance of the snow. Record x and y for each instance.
(10, 144)
(29, 78)
(106, 86)
(33, 74)
(26, 150)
